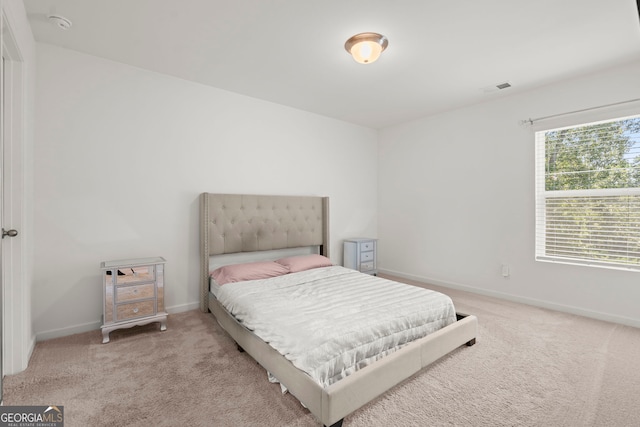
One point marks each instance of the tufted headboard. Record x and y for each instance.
(231, 223)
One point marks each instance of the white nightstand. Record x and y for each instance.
(360, 254)
(133, 294)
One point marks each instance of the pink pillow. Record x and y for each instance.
(248, 271)
(304, 262)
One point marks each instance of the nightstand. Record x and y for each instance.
(360, 254)
(133, 294)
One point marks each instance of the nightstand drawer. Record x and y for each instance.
(136, 275)
(366, 246)
(366, 256)
(135, 309)
(131, 293)
(366, 266)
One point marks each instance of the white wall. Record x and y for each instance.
(456, 201)
(121, 155)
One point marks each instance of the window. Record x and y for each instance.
(588, 194)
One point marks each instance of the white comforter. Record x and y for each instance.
(330, 322)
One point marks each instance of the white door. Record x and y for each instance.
(16, 338)
(4, 109)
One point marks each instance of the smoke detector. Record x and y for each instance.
(60, 22)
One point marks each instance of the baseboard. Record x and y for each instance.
(69, 330)
(183, 307)
(92, 326)
(522, 300)
(32, 347)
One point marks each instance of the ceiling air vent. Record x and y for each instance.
(497, 87)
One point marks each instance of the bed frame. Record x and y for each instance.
(232, 223)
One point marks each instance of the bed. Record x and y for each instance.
(243, 228)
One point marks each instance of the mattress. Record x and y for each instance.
(332, 321)
(214, 287)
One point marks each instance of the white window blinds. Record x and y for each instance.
(588, 194)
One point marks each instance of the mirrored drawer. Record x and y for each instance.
(133, 275)
(366, 266)
(135, 309)
(366, 256)
(130, 293)
(366, 246)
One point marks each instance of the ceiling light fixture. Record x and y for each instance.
(60, 22)
(366, 47)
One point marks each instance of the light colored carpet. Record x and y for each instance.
(530, 367)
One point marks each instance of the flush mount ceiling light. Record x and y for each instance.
(60, 22)
(366, 47)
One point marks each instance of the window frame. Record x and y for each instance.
(542, 195)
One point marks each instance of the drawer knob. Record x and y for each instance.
(135, 310)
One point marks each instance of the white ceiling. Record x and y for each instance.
(442, 54)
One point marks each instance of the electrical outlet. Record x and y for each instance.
(505, 270)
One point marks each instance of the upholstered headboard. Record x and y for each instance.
(231, 223)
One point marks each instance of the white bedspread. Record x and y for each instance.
(330, 322)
